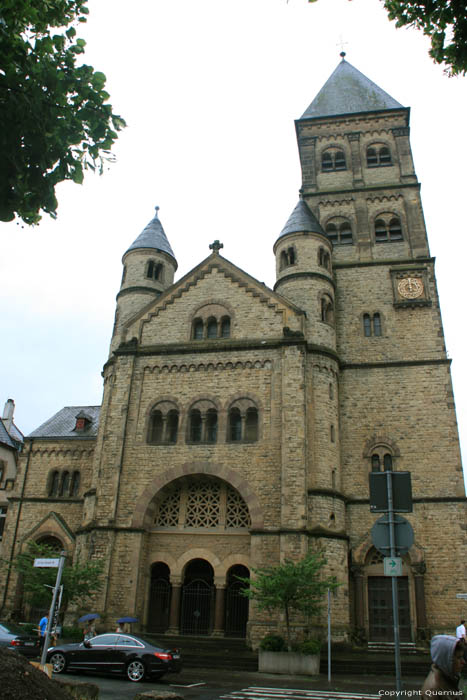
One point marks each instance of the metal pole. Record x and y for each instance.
(395, 597)
(329, 635)
(52, 607)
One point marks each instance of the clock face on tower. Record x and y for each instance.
(410, 287)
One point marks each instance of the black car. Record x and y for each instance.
(116, 653)
(14, 637)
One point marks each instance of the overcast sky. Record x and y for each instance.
(210, 90)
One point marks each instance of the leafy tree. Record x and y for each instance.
(80, 581)
(290, 587)
(444, 21)
(54, 116)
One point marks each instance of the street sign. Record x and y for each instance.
(403, 535)
(401, 492)
(46, 563)
(392, 566)
(463, 596)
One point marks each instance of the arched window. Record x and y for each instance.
(287, 258)
(225, 327)
(388, 228)
(327, 309)
(371, 157)
(156, 428)
(243, 421)
(54, 483)
(212, 321)
(212, 328)
(324, 258)
(333, 159)
(178, 505)
(385, 156)
(395, 230)
(381, 459)
(75, 481)
(65, 484)
(195, 426)
(198, 329)
(154, 270)
(172, 426)
(372, 325)
(377, 155)
(235, 425)
(327, 162)
(376, 324)
(203, 422)
(367, 325)
(211, 425)
(163, 424)
(339, 231)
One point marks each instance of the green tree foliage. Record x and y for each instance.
(80, 581)
(291, 587)
(54, 117)
(444, 21)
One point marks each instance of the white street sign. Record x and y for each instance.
(461, 595)
(392, 566)
(46, 563)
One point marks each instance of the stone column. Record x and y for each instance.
(422, 631)
(219, 612)
(359, 607)
(174, 614)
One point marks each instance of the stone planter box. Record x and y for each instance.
(288, 662)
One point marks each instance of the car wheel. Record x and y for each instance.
(58, 662)
(135, 671)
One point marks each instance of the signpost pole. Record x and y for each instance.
(395, 597)
(52, 607)
(329, 635)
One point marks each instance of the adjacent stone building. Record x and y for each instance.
(239, 424)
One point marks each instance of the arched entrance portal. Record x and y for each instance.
(159, 598)
(380, 609)
(236, 604)
(198, 595)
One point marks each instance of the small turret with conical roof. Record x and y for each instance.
(149, 267)
(304, 274)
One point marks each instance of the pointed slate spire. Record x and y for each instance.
(348, 91)
(153, 236)
(302, 219)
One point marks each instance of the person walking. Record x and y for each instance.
(460, 631)
(447, 654)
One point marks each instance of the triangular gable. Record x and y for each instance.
(51, 524)
(291, 315)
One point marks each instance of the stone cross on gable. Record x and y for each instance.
(216, 246)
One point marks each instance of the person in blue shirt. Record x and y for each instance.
(42, 628)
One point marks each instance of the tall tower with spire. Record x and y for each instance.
(149, 266)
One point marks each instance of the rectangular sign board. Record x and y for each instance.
(463, 596)
(401, 492)
(46, 563)
(392, 566)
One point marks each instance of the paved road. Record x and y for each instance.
(212, 684)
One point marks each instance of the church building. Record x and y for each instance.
(239, 424)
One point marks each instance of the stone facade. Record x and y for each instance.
(239, 424)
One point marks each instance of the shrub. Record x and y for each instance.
(273, 642)
(310, 647)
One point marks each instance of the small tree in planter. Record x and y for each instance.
(291, 587)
